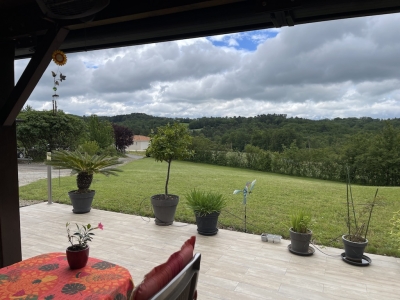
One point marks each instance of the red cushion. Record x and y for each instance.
(159, 277)
(174, 264)
(187, 251)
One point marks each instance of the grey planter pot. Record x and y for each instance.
(81, 203)
(300, 241)
(164, 209)
(354, 251)
(207, 225)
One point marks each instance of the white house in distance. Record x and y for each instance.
(140, 143)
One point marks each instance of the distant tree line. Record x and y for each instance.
(273, 132)
(294, 146)
(142, 124)
(273, 142)
(373, 158)
(42, 131)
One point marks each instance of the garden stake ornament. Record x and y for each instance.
(246, 191)
(59, 59)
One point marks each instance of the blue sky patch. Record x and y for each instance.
(90, 65)
(247, 41)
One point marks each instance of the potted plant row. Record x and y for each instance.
(207, 207)
(84, 165)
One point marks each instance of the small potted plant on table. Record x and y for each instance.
(85, 166)
(207, 207)
(78, 253)
(300, 233)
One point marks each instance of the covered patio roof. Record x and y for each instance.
(126, 23)
(35, 28)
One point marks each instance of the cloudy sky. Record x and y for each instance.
(344, 68)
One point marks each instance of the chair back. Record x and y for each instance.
(182, 286)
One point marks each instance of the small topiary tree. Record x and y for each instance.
(169, 143)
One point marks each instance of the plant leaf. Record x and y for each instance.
(73, 288)
(102, 265)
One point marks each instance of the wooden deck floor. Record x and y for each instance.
(234, 265)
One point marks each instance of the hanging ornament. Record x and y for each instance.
(59, 58)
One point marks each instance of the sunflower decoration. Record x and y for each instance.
(59, 58)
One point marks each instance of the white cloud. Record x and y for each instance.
(324, 70)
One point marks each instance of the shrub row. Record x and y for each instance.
(326, 167)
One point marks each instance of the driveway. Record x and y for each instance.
(28, 173)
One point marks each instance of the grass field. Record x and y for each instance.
(269, 207)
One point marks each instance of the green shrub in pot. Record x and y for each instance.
(169, 143)
(206, 206)
(204, 203)
(300, 233)
(300, 221)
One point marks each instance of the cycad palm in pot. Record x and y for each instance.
(84, 165)
(207, 207)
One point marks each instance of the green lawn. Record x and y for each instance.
(268, 209)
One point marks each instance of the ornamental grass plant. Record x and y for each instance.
(203, 203)
(300, 221)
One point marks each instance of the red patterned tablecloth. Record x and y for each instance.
(49, 277)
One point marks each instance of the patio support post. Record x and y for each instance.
(12, 99)
(10, 234)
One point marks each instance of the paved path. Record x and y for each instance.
(28, 173)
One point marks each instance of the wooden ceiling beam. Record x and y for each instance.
(153, 13)
(122, 23)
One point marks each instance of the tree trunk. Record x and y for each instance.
(83, 181)
(166, 183)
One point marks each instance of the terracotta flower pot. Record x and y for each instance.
(77, 259)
